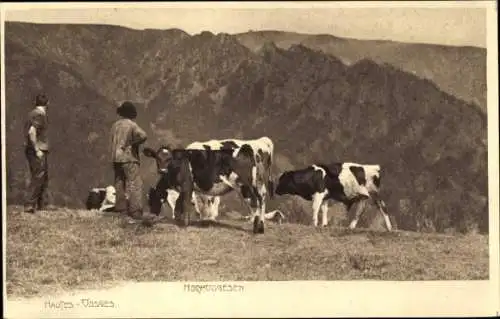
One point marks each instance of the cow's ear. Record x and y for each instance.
(149, 152)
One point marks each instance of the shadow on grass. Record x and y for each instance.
(112, 214)
(148, 222)
(216, 224)
(343, 232)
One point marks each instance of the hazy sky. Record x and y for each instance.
(451, 25)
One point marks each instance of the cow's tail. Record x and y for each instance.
(270, 176)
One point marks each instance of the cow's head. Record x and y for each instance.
(372, 173)
(163, 156)
(285, 184)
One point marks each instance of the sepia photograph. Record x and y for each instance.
(225, 159)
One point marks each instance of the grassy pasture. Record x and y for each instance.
(67, 249)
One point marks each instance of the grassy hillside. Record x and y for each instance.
(68, 249)
(432, 145)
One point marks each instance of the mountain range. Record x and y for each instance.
(418, 110)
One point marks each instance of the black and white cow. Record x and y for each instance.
(348, 183)
(207, 206)
(275, 216)
(102, 199)
(213, 173)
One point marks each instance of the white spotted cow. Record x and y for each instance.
(102, 199)
(275, 216)
(212, 172)
(207, 206)
(348, 183)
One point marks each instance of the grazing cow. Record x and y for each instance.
(207, 206)
(348, 183)
(102, 199)
(214, 173)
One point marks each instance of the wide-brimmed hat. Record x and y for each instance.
(127, 109)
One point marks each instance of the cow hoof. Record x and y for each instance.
(258, 225)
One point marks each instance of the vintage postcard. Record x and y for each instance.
(250, 159)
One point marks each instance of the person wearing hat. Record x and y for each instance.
(126, 137)
(36, 148)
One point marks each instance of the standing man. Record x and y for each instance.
(126, 137)
(36, 151)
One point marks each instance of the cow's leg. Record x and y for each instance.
(209, 207)
(245, 193)
(261, 208)
(263, 195)
(214, 208)
(383, 209)
(205, 206)
(254, 204)
(253, 196)
(360, 207)
(186, 186)
(318, 199)
(198, 201)
(184, 207)
(172, 197)
(324, 213)
(196, 198)
(178, 209)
